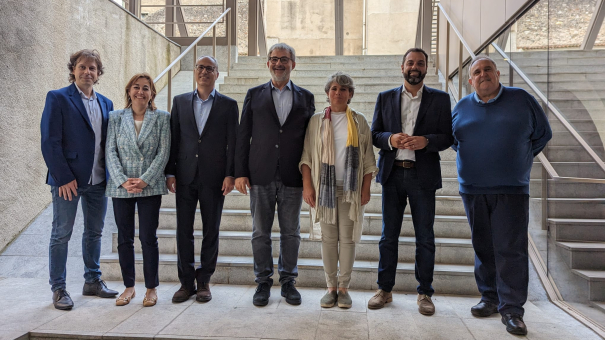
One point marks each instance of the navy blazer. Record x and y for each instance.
(68, 140)
(263, 143)
(210, 154)
(434, 122)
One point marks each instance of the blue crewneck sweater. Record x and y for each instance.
(497, 141)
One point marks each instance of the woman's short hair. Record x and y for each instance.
(343, 80)
(86, 54)
(151, 87)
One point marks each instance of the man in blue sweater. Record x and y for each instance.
(498, 131)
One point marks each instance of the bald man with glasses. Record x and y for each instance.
(200, 169)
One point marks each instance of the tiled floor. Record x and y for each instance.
(26, 306)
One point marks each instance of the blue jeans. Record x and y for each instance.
(94, 207)
(402, 185)
(499, 224)
(262, 205)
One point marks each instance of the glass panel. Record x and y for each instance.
(154, 14)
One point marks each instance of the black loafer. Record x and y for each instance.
(261, 296)
(514, 324)
(484, 309)
(290, 293)
(98, 288)
(62, 300)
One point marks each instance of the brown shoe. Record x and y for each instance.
(183, 294)
(425, 305)
(203, 292)
(379, 299)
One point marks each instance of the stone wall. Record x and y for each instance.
(37, 38)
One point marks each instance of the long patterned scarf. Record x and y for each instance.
(327, 184)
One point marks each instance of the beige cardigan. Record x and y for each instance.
(312, 157)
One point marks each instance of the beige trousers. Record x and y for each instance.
(337, 246)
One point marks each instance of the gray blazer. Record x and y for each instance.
(145, 157)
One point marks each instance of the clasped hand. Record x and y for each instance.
(134, 185)
(405, 141)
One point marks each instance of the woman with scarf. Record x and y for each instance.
(337, 165)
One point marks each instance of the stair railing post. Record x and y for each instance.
(437, 46)
(545, 176)
(229, 42)
(214, 41)
(446, 76)
(169, 88)
(194, 65)
(460, 50)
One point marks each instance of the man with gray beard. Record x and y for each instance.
(269, 146)
(411, 124)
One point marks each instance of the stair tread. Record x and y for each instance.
(591, 275)
(582, 245)
(598, 221)
(452, 269)
(445, 241)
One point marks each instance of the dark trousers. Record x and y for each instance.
(263, 199)
(499, 233)
(148, 209)
(211, 206)
(402, 185)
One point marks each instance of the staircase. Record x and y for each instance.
(372, 74)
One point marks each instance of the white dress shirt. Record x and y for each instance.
(95, 116)
(282, 99)
(409, 114)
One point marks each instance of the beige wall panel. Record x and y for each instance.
(512, 6)
(353, 27)
(391, 33)
(33, 61)
(308, 26)
(471, 27)
(495, 14)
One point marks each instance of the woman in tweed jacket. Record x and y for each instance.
(137, 150)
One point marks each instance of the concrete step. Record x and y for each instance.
(572, 153)
(598, 305)
(558, 54)
(237, 243)
(445, 205)
(592, 208)
(301, 80)
(563, 138)
(583, 255)
(327, 59)
(320, 97)
(329, 66)
(354, 72)
(238, 270)
(318, 87)
(576, 190)
(596, 283)
(446, 226)
(579, 125)
(569, 60)
(578, 230)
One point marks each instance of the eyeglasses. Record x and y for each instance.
(201, 68)
(284, 60)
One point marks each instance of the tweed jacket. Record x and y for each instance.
(311, 156)
(144, 157)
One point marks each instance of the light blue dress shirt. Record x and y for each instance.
(282, 101)
(476, 97)
(96, 121)
(201, 109)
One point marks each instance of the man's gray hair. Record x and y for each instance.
(282, 46)
(209, 57)
(479, 58)
(343, 80)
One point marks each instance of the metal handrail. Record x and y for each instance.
(168, 69)
(541, 157)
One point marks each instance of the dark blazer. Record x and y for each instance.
(68, 141)
(434, 122)
(212, 152)
(262, 143)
